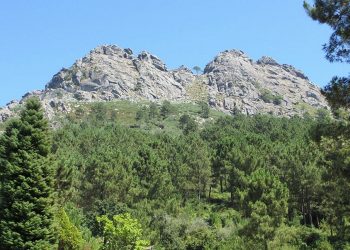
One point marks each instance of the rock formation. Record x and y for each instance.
(232, 82)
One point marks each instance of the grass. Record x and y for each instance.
(198, 91)
(306, 108)
(124, 112)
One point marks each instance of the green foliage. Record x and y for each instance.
(187, 124)
(197, 69)
(266, 203)
(123, 232)
(337, 181)
(166, 109)
(204, 109)
(269, 97)
(196, 166)
(231, 183)
(69, 236)
(99, 112)
(237, 182)
(336, 14)
(153, 112)
(26, 182)
(299, 237)
(337, 92)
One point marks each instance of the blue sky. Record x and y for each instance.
(39, 37)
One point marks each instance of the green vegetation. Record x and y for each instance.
(69, 236)
(307, 109)
(145, 115)
(250, 176)
(204, 109)
(217, 183)
(197, 69)
(336, 14)
(123, 232)
(26, 218)
(125, 175)
(268, 97)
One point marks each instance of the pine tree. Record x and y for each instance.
(166, 109)
(266, 203)
(26, 182)
(335, 14)
(204, 109)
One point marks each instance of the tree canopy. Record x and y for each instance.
(336, 14)
(26, 218)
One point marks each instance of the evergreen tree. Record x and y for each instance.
(336, 14)
(197, 165)
(204, 109)
(26, 182)
(187, 124)
(266, 203)
(337, 92)
(166, 109)
(70, 238)
(197, 69)
(153, 112)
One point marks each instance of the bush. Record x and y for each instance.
(122, 232)
(166, 109)
(153, 111)
(268, 97)
(69, 236)
(187, 124)
(204, 110)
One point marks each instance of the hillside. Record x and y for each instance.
(232, 83)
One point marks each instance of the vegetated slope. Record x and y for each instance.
(232, 82)
(198, 190)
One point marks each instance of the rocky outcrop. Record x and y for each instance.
(232, 82)
(260, 87)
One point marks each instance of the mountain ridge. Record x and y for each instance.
(232, 82)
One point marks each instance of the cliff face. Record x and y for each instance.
(260, 87)
(232, 82)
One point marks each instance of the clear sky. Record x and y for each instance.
(39, 37)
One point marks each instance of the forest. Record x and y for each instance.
(125, 175)
(234, 182)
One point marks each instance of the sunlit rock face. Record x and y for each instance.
(232, 82)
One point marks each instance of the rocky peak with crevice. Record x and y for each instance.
(232, 82)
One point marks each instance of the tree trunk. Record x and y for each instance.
(221, 189)
(303, 206)
(266, 245)
(317, 221)
(309, 208)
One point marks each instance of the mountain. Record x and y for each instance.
(232, 82)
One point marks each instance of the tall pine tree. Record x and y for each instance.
(26, 182)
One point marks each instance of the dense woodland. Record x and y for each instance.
(174, 176)
(234, 182)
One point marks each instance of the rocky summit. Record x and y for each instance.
(232, 82)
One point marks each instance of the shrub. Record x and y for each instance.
(122, 232)
(69, 236)
(268, 97)
(204, 109)
(166, 109)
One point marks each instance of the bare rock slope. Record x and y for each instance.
(232, 82)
